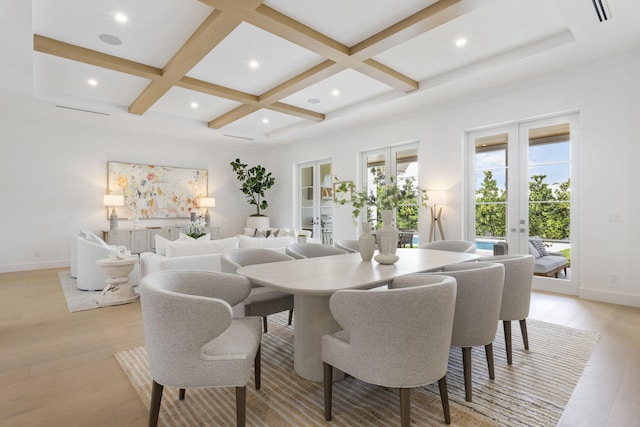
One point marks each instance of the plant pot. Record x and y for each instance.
(258, 222)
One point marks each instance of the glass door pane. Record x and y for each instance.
(307, 198)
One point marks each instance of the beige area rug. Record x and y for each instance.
(78, 300)
(531, 392)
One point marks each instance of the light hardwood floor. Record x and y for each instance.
(57, 368)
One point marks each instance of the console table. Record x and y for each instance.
(144, 239)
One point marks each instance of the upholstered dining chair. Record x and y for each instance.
(192, 340)
(351, 246)
(368, 346)
(451, 246)
(262, 301)
(478, 300)
(516, 295)
(312, 250)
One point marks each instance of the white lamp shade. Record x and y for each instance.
(437, 197)
(113, 200)
(207, 202)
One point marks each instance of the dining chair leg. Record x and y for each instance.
(328, 389)
(506, 324)
(444, 397)
(405, 407)
(241, 406)
(525, 336)
(257, 367)
(488, 349)
(466, 366)
(181, 394)
(264, 323)
(290, 317)
(154, 407)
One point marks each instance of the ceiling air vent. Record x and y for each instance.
(82, 110)
(602, 10)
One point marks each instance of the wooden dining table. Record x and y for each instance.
(314, 280)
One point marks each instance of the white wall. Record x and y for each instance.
(606, 94)
(53, 174)
(53, 166)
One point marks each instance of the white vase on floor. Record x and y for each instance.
(387, 231)
(366, 243)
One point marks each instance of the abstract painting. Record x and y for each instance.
(152, 191)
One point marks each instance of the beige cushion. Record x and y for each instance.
(200, 247)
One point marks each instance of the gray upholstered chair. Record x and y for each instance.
(262, 301)
(409, 348)
(451, 246)
(516, 295)
(351, 246)
(312, 250)
(192, 339)
(478, 303)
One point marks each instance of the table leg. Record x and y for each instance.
(312, 320)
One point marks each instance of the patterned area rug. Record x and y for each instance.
(78, 300)
(532, 392)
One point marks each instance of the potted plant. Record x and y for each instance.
(255, 181)
(385, 198)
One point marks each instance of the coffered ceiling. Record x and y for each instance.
(258, 70)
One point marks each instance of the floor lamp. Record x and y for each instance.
(437, 199)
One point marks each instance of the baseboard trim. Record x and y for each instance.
(610, 297)
(45, 265)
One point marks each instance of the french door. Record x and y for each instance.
(398, 163)
(521, 181)
(315, 209)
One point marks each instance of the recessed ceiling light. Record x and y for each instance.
(461, 42)
(92, 82)
(253, 64)
(313, 101)
(109, 39)
(265, 120)
(120, 17)
(335, 92)
(194, 105)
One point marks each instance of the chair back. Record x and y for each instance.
(348, 245)
(451, 246)
(312, 250)
(518, 278)
(181, 312)
(231, 261)
(377, 323)
(478, 302)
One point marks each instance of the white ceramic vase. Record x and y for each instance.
(387, 234)
(366, 243)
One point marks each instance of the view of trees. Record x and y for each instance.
(548, 208)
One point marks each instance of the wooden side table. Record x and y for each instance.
(118, 290)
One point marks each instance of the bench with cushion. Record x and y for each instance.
(547, 264)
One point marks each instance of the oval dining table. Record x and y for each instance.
(314, 280)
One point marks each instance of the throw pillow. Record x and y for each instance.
(533, 251)
(91, 237)
(251, 232)
(537, 242)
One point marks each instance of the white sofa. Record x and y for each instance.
(203, 255)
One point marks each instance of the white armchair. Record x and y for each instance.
(90, 276)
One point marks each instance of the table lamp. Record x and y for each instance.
(113, 200)
(207, 202)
